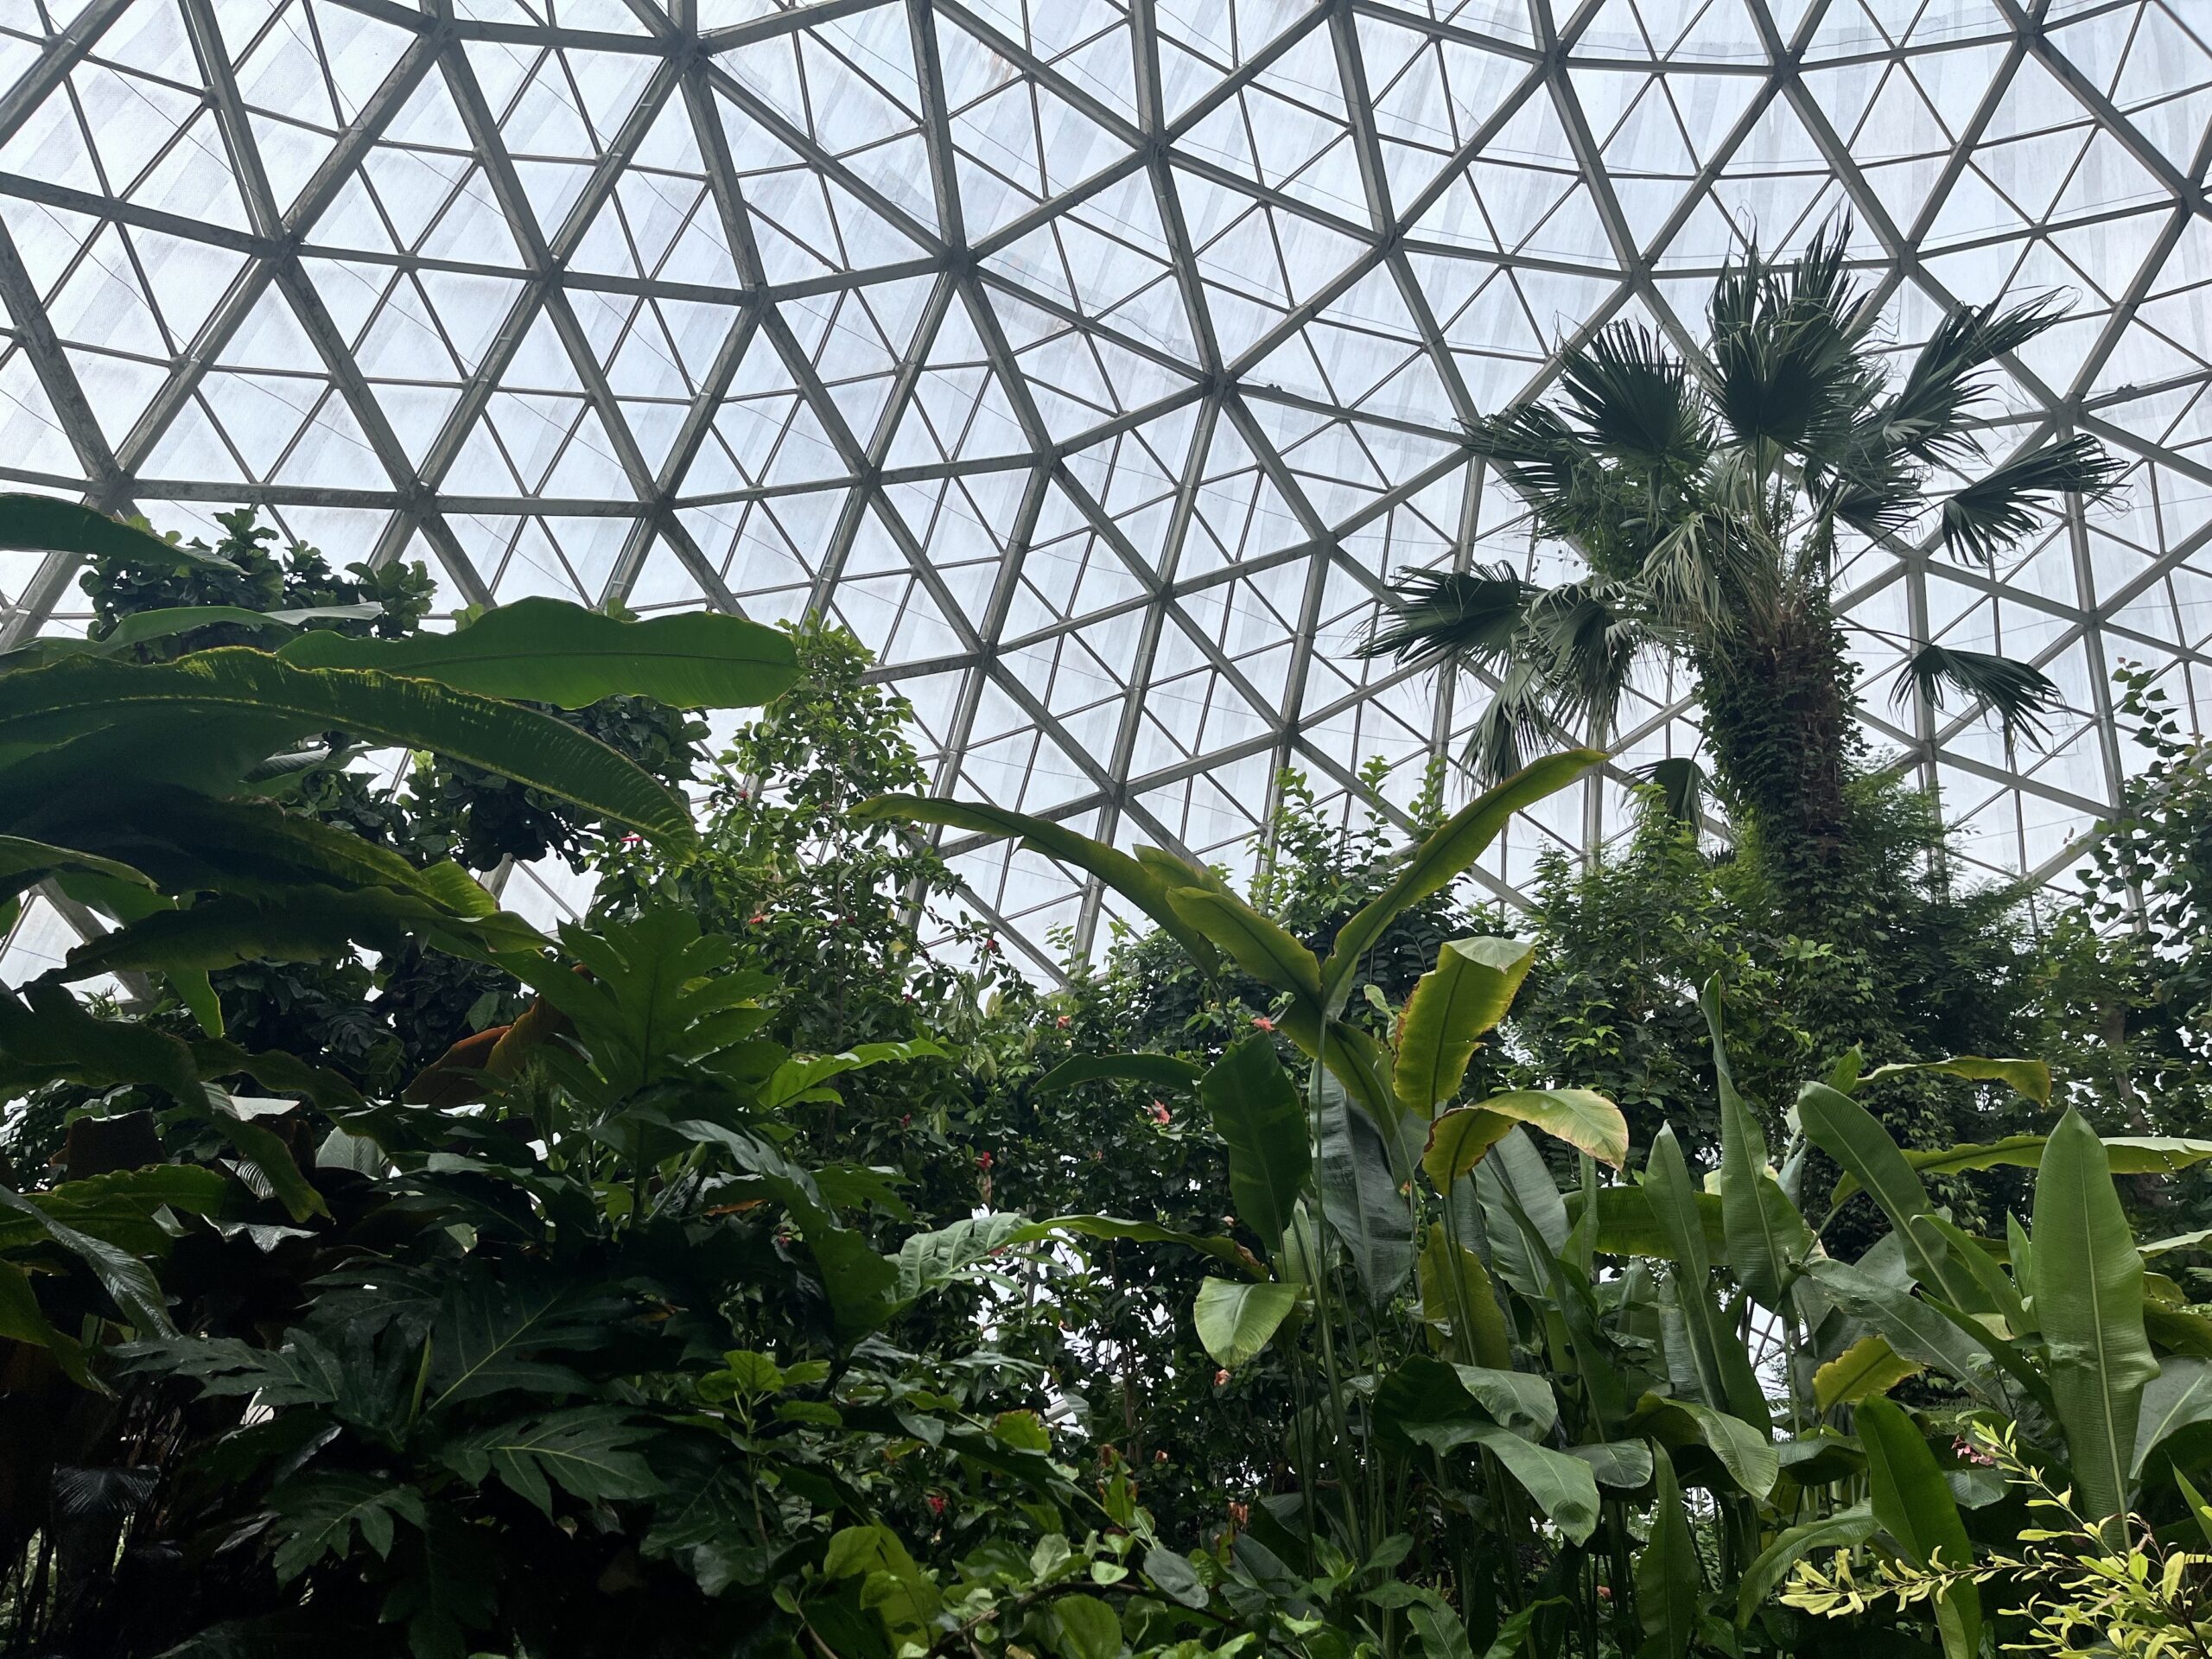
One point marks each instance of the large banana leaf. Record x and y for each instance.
(1869, 1366)
(1914, 1504)
(1466, 993)
(1768, 1240)
(2089, 1285)
(1588, 1122)
(2179, 1397)
(1848, 1132)
(1668, 1573)
(1724, 1371)
(2029, 1077)
(42, 707)
(1261, 1121)
(1626, 1226)
(47, 523)
(1443, 858)
(1143, 886)
(1161, 1071)
(1261, 947)
(550, 651)
(1360, 1199)
(1564, 1487)
(1458, 1303)
(2126, 1155)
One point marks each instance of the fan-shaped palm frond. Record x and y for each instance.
(1586, 637)
(2009, 501)
(1925, 418)
(1785, 344)
(2022, 697)
(1683, 787)
(1637, 402)
(1509, 729)
(1451, 616)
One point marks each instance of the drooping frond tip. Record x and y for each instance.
(2023, 697)
(1451, 616)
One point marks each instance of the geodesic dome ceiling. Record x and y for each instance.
(1095, 360)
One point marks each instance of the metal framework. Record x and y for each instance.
(1096, 361)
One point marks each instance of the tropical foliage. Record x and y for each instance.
(728, 1270)
(1712, 500)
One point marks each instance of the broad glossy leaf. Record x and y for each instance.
(1262, 1122)
(2179, 1397)
(1359, 1195)
(1362, 1066)
(320, 1512)
(1626, 1226)
(1724, 1371)
(1914, 1504)
(1564, 1487)
(594, 1453)
(1848, 1132)
(1261, 947)
(2088, 1285)
(1764, 1575)
(542, 650)
(1869, 1366)
(1909, 1325)
(50, 524)
(2128, 1154)
(1143, 886)
(1748, 1455)
(1768, 1240)
(1236, 1318)
(1669, 1575)
(1460, 1304)
(44, 705)
(1465, 995)
(2031, 1078)
(1443, 858)
(1161, 1071)
(128, 1280)
(24, 864)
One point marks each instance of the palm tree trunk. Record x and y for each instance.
(1781, 718)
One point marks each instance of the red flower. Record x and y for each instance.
(755, 921)
(1158, 1112)
(906, 1119)
(1221, 1380)
(983, 1161)
(937, 1503)
(1262, 1023)
(1062, 1022)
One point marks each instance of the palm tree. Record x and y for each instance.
(1709, 498)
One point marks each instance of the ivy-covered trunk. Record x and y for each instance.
(1780, 717)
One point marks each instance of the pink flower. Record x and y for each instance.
(1158, 1112)
(1062, 1022)
(1260, 1022)
(983, 1161)
(937, 1503)
(1221, 1380)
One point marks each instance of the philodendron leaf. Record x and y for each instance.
(1443, 858)
(1869, 1366)
(1142, 885)
(1914, 1504)
(1767, 1239)
(1586, 1120)
(1466, 993)
(1236, 1318)
(545, 649)
(1261, 1121)
(2088, 1298)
